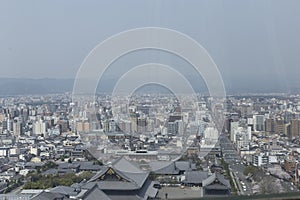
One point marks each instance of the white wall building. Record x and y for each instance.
(233, 127)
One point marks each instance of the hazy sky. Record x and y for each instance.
(252, 41)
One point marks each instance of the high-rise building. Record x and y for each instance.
(142, 125)
(17, 127)
(125, 126)
(39, 128)
(279, 126)
(295, 127)
(259, 122)
(249, 133)
(233, 127)
(83, 126)
(4, 125)
(9, 124)
(270, 126)
(242, 139)
(250, 122)
(86, 126)
(211, 135)
(79, 126)
(173, 124)
(63, 125)
(287, 130)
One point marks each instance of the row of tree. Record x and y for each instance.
(39, 181)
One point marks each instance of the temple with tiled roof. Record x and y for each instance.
(118, 181)
(122, 180)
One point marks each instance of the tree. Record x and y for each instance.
(269, 186)
(249, 170)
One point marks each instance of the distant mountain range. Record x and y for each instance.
(22, 86)
(26, 86)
